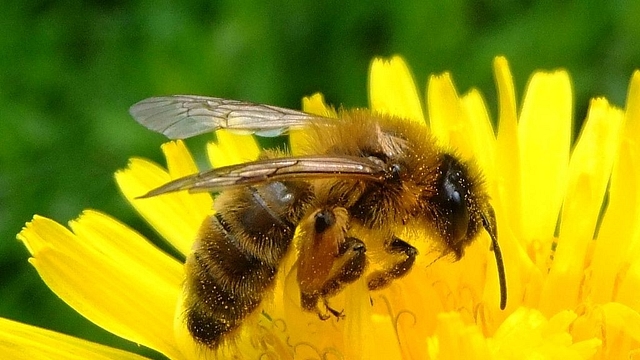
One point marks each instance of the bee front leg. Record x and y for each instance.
(396, 247)
(328, 260)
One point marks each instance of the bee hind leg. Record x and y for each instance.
(337, 314)
(309, 302)
(348, 267)
(395, 247)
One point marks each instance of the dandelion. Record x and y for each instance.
(567, 223)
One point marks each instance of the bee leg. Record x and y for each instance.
(312, 306)
(309, 302)
(383, 278)
(347, 268)
(353, 263)
(350, 266)
(337, 314)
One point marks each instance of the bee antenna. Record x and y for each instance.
(489, 223)
(436, 259)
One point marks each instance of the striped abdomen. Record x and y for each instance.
(237, 255)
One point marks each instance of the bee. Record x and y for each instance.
(361, 180)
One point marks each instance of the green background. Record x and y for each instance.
(70, 70)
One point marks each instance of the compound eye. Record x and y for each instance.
(451, 203)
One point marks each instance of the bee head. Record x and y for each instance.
(462, 209)
(458, 207)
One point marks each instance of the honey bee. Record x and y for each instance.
(363, 178)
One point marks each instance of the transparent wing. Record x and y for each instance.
(261, 171)
(184, 116)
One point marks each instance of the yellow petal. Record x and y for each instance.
(619, 227)
(589, 173)
(165, 213)
(524, 278)
(508, 161)
(629, 281)
(454, 339)
(109, 274)
(506, 96)
(24, 342)
(633, 108)
(232, 149)
(461, 124)
(618, 241)
(179, 160)
(617, 326)
(315, 105)
(527, 334)
(545, 136)
(176, 216)
(358, 329)
(479, 136)
(443, 107)
(392, 90)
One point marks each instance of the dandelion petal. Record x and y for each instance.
(176, 216)
(589, 173)
(109, 274)
(392, 90)
(24, 342)
(544, 137)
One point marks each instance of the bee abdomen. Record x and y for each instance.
(226, 284)
(236, 258)
(222, 305)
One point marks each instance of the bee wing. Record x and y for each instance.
(261, 171)
(184, 116)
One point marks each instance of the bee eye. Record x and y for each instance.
(451, 203)
(394, 171)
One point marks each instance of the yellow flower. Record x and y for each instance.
(568, 225)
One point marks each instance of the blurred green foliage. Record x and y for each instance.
(71, 69)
